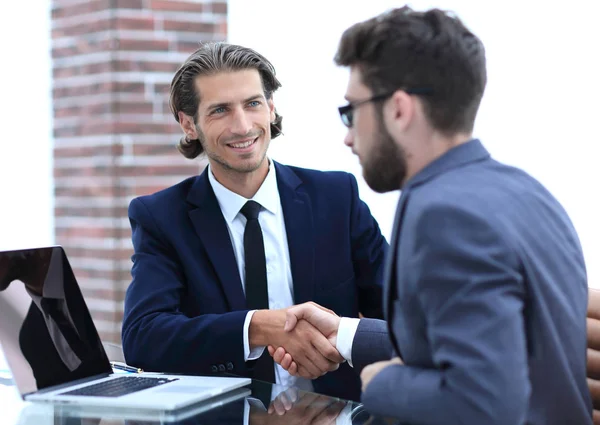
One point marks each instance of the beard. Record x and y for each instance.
(384, 169)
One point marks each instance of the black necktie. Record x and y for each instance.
(257, 294)
(52, 308)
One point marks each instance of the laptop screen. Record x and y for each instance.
(46, 331)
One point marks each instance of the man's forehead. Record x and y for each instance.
(229, 86)
(356, 88)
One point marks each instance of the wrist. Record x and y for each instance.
(265, 324)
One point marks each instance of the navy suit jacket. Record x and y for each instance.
(485, 298)
(185, 308)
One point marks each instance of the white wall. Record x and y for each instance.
(539, 112)
(26, 216)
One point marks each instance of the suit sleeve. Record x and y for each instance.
(472, 297)
(371, 343)
(156, 335)
(369, 248)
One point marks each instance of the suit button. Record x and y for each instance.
(221, 368)
(214, 369)
(229, 366)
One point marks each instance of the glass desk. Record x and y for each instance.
(258, 404)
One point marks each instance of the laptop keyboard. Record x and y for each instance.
(119, 386)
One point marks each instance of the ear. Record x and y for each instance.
(271, 109)
(187, 125)
(399, 112)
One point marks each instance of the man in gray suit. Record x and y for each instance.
(486, 289)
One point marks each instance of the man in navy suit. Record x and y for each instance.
(485, 289)
(220, 257)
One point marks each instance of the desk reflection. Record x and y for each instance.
(260, 404)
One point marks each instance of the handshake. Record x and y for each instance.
(309, 345)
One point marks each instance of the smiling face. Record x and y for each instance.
(233, 121)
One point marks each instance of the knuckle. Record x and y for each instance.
(331, 352)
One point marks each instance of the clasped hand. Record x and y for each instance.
(301, 319)
(327, 323)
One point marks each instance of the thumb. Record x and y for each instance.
(292, 315)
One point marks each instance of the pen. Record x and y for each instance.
(126, 368)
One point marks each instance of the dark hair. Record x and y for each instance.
(430, 51)
(210, 59)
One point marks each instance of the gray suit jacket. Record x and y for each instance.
(371, 343)
(485, 298)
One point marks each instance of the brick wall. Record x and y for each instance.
(114, 136)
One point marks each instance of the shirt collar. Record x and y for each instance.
(458, 156)
(231, 203)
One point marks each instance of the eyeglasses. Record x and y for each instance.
(347, 111)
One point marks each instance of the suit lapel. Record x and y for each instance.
(211, 228)
(390, 267)
(298, 217)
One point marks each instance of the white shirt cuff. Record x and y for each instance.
(345, 416)
(250, 402)
(345, 337)
(246, 412)
(257, 351)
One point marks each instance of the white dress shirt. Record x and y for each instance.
(279, 274)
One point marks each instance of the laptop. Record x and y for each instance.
(54, 352)
(56, 414)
